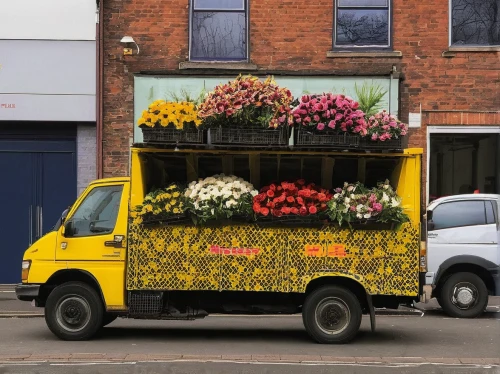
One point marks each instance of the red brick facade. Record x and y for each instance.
(293, 37)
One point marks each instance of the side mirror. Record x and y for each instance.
(69, 229)
(430, 224)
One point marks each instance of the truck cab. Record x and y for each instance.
(86, 253)
(463, 253)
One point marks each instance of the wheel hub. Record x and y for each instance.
(73, 313)
(332, 315)
(465, 295)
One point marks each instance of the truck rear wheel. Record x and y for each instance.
(464, 295)
(74, 311)
(332, 314)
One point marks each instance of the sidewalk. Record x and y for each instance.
(10, 306)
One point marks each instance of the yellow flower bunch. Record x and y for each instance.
(161, 113)
(162, 204)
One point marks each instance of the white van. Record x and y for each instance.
(463, 255)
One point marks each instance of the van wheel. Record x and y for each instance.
(464, 295)
(332, 314)
(74, 311)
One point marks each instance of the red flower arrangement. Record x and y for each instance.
(285, 199)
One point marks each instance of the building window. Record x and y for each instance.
(218, 30)
(362, 23)
(475, 22)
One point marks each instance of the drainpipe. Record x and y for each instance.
(99, 85)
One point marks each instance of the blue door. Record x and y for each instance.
(37, 182)
(17, 215)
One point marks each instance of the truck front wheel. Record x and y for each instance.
(74, 311)
(332, 314)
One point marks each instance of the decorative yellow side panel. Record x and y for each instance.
(249, 258)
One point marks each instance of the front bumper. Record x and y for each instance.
(27, 292)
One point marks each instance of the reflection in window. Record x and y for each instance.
(218, 30)
(362, 23)
(458, 214)
(475, 22)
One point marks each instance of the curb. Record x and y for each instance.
(21, 315)
(300, 359)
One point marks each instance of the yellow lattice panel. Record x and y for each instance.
(249, 258)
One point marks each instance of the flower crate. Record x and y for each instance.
(291, 221)
(173, 136)
(370, 225)
(307, 139)
(181, 220)
(249, 136)
(398, 144)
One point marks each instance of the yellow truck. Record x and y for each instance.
(99, 263)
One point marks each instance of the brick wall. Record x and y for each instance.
(86, 155)
(294, 38)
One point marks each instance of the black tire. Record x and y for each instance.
(74, 311)
(321, 325)
(108, 318)
(464, 295)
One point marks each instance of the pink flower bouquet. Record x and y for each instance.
(384, 126)
(330, 113)
(247, 101)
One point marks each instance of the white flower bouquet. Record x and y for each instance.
(220, 197)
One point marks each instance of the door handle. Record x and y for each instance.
(117, 243)
(30, 225)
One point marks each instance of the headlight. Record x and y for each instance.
(26, 270)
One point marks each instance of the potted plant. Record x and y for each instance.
(385, 131)
(296, 203)
(328, 121)
(220, 199)
(171, 122)
(247, 112)
(364, 208)
(162, 207)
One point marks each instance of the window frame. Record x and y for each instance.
(192, 10)
(80, 204)
(483, 201)
(365, 47)
(450, 33)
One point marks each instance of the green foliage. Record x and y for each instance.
(370, 98)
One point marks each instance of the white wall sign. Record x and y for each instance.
(415, 120)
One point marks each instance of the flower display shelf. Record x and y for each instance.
(181, 220)
(233, 221)
(249, 136)
(306, 140)
(173, 136)
(387, 145)
(291, 221)
(371, 225)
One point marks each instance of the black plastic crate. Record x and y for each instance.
(249, 136)
(172, 136)
(181, 220)
(388, 145)
(308, 139)
(313, 221)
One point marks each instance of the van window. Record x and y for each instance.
(459, 213)
(490, 213)
(97, 214)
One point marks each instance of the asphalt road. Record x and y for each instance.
(429, 336)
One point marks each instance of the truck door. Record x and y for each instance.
(93, 238)
(465, 227)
